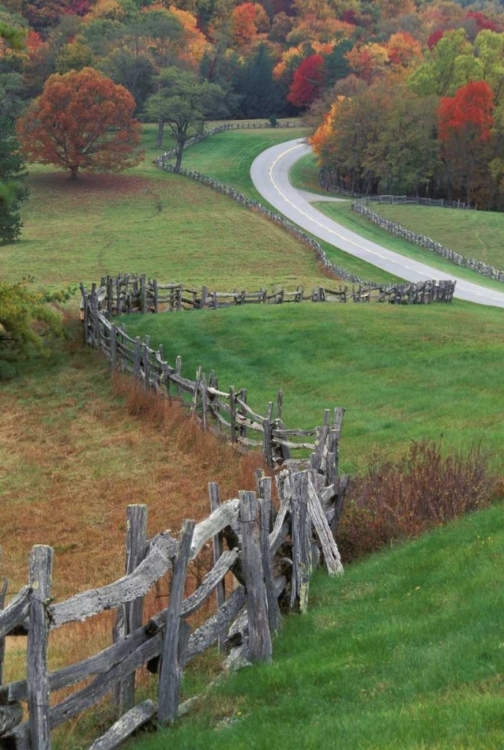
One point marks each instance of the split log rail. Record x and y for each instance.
(225, 412)
(268, 562)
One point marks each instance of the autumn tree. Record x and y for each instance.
(82, 121)
(465, 123)
(184, 103)
(307, 81)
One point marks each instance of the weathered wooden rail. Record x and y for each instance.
(125, 294)
(421, 240)
(269, 557)
(225, 412)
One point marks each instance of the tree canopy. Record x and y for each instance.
(184, 103)
(82, 120)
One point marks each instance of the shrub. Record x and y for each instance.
(395, 501)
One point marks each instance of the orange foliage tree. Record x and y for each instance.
(465, 123)
(82, 121)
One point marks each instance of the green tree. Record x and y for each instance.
(184, 104)
(259, 94)
(12, 192)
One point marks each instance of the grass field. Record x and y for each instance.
(404, 651)
(72, 456)
(401, 373)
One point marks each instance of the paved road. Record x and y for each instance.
(270, 175)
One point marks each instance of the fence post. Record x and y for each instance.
(143, 295)
(129, 616)
(265, 508)
(259, 647)
(301, 541)
(213, 493)
(232, 413)
(3, 592)
(36, 658)
(113, 347)
(172, 660)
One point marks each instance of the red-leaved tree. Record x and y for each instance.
(464, 127)
(306, 81)
(82, 120)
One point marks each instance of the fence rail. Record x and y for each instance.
(419, 239)
(226, 412)
(260, 541)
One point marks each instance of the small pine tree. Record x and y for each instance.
(12, 173)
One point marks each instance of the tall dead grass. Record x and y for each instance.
(399, 500)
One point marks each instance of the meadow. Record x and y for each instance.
(76, 448)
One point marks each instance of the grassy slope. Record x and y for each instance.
(227, 157)
(402, 373)
(404, 651)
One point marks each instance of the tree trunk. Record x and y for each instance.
(178, 162)
(74, 172)
(160, 133)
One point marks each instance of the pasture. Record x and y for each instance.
(76, 449)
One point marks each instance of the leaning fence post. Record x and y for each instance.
(36, 658)
(172, 661)
(129, 616)
(259, 647)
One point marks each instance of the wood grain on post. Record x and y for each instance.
(36, 658)
(301, 540)
(274, 617)
(171, 665)
(129, 615)
(332, 556)
(260, 647)
(213, 493)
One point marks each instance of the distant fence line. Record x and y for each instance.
(418, 239)
(325, 178)
(225, 412)
(271, 556)
(237, 125)
(125, 294)
(420, 293)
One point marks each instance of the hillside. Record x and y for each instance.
(404, 651)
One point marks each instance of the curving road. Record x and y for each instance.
(270, 175)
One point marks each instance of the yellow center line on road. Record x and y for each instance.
(324, 226)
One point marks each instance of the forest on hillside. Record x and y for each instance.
(401, 96)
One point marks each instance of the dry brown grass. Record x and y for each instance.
(75, 449)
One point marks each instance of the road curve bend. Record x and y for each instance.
(270, 175)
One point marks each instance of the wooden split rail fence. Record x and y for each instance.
(125, 294)
(226, 412)
(423, 241)
(267, 558)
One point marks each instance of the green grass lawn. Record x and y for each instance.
(147, 221)
(406, 650)
(403, 373)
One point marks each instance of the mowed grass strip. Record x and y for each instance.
(402, 373)
(404, 651)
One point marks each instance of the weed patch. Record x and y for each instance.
(399, 500)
